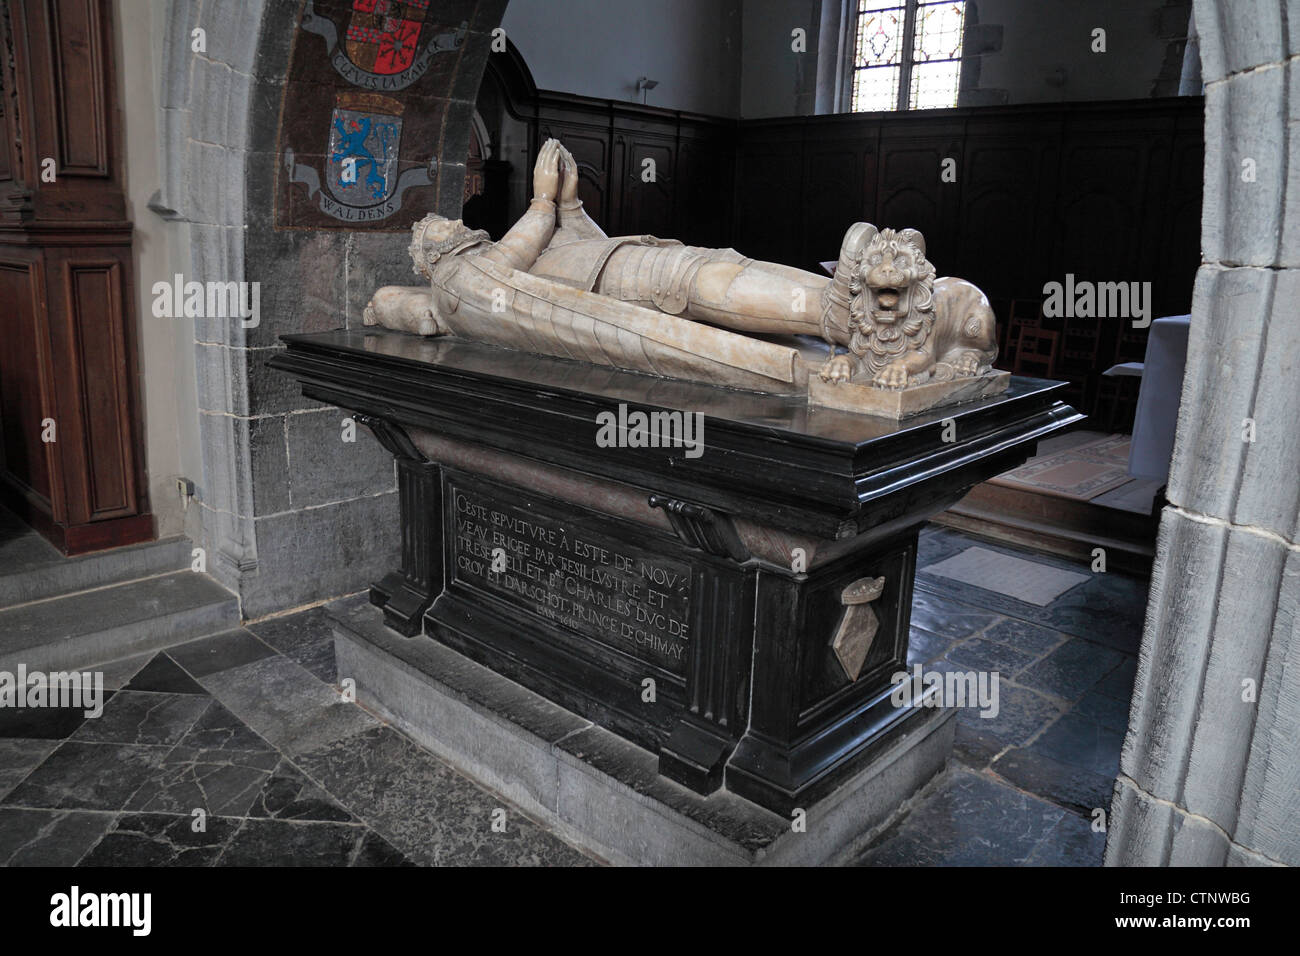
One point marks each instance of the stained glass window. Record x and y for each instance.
(907, 54)
(880, 33)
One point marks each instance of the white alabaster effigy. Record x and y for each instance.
(901, 340)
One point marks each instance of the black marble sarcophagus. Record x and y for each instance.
(736, 604)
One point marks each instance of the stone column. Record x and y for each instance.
(1210, 772)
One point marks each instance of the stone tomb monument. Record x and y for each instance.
(722, 591)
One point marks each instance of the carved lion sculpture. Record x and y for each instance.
(905, 327)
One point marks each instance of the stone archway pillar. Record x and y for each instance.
(205, 83)
(1210, 772)
(273, 533)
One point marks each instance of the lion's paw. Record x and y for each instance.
(893, 375)
(967, 364)
(838, 368)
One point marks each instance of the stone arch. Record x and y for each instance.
(261, 519)
(1210, 766)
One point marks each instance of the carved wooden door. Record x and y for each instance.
(71, 461)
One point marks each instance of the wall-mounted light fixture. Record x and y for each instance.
(643, 86)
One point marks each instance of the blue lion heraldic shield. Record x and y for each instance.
(361, 179)
(362, 155)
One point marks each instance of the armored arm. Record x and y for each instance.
(576, 225)
(521, 246)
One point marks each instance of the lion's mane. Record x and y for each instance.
(879, 344)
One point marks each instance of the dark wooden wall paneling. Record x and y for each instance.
(689, 196)
(1107, 191)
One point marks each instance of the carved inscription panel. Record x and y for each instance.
(528, 554)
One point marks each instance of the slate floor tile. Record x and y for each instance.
(306, 638)
(1022, 713)
(426, 809)
(1110, 712)
(294, 630)
(1119, 682)
(88, 776)
(222, 782)
(288, 795)
(925, 646)
(284, 843)
(971, 820)
(376, 851)
(1025, 636)
(1115, 603)
(133, 717)
(120, 673)
(937, 543)
(220, 652)
(974, 748)
(18, 756)
(933, 612)
(44, 723)
(218, 729)
(1066, 784)
(161, 839)
(990, 656)
(958, 540)
(162, 675)
(1108, 609)
(287, 706)
(1082, 742)
(318, 659)
(1072, 669)
(1072, 843)
(48, 837)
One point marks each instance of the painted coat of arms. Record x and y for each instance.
(361, 180)
(381, 45)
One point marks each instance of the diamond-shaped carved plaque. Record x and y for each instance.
(858, 624)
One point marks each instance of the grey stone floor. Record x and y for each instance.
(248, 726)
(1023, 787)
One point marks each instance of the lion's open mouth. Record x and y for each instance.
(888, 302)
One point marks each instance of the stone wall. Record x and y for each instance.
(1041, 51)
(599, 48)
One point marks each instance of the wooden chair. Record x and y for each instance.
(1036, 352)
(1022, 313)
